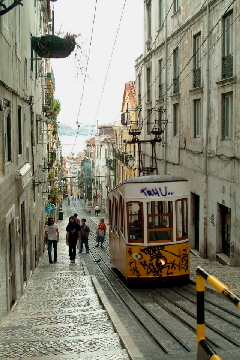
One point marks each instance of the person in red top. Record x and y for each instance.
(101, 232)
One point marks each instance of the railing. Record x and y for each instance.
(204, 350)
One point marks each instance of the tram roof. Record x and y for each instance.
(154, 178)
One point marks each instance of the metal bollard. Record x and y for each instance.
(204, 350)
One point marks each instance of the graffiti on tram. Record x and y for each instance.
(159, 262)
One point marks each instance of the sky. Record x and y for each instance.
(90, 82)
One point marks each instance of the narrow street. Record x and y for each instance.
(60, 315)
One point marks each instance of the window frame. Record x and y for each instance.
(176, 110)
(140, 241)
(197, 118)
(226, 131)
(186, 220)
(149, 85)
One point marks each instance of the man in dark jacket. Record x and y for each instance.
(84, 230)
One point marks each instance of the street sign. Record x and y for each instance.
(50, 208)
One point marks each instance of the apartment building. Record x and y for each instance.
(187, 86)
(25, 151)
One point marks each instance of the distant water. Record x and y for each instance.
(73, 144)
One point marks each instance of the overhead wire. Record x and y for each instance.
(84, 81)
(115, 41)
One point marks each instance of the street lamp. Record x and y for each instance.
(130, 160)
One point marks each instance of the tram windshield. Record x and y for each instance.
(135, 221)
(159, 216)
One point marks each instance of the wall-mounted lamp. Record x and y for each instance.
(130, 160)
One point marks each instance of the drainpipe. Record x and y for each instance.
(206, 144)
(165, 100)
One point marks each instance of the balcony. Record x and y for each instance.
(109, 163)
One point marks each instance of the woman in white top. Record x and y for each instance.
(52, 236)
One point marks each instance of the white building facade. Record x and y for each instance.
(23, 152)
(189, 74)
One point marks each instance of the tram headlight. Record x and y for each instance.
(161, 261)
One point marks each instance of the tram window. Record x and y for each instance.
(110, 213)
(182, 219)
(121, 213)
(135, 221)
(160, 227)
(115, 225)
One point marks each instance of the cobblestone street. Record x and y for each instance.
(60, 315)
(64, 314)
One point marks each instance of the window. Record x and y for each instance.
(160, 78)
(197, 117)
(227, 115)
(175, 119)
(19, 130)
(149, 85)
(7, 134)
(31, 56)
(160, 9)
(135, 221)
(175, 5)
(182, 219)
(176, 71)
(149, 116)
(159, 225)
(197, 61)
(161, 118)
(149, 18)
(139, 90)
(227, 59)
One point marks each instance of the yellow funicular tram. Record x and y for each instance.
(148, 228)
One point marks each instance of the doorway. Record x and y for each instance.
(11, 265)
(225, 213)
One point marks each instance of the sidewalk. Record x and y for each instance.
(230, 276)
(63, 314)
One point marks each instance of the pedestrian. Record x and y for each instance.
(68, 201)
(77, 220)
(101, 232)
(97, 210)
(84, 236)
(72, 236)
(51, 238)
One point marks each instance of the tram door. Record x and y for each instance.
(11, 260)
(196, 220)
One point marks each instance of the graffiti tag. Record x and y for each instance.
(157, 191)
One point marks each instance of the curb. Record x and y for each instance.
(128, 343)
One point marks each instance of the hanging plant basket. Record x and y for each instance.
(51, 46)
